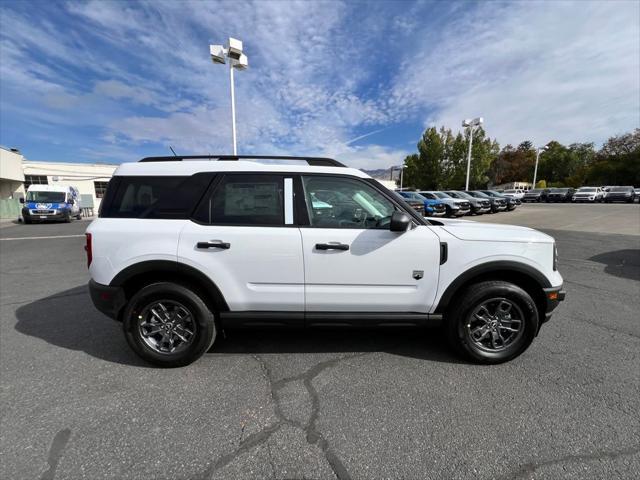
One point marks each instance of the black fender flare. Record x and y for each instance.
(176, 269)
(497, 267)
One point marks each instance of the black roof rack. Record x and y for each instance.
(313, 161)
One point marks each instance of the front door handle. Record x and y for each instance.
(214, 244)
(331, 246)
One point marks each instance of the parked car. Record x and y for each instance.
(512, 202)
(47, 203)
(620, 194)
(416, 204)
(478, 205)
(183, 249)
(636, 192)
(433, 207)
(588, 194)
(497, 204)
(536, 195)
(454, 206)
(560, 194)
(517, 193)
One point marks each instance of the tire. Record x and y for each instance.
(28, 220)
(67, 218)
(79, 217)
(460, 321)
(174, 298)
(449, 212)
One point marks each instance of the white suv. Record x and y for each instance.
(187, 246)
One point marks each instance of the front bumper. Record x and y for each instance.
(108, 300)
(34, 216)
(553, 296)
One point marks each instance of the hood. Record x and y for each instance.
(492, 232)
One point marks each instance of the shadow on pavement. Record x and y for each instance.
(69, 320)
(621, 263)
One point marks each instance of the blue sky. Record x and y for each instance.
(113, 81)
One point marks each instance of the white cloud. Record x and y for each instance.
(538, 71)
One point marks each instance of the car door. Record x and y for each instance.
(352, 261)
(243, 237)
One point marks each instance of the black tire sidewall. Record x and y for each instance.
(204, 318)
(475, 295)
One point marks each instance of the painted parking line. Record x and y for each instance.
(41, 238)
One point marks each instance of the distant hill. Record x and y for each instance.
(382, 173)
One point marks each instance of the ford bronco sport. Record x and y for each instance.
(187, 246)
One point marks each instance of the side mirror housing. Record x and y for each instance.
(21, 199)
(400, 222)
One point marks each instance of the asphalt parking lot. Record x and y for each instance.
(77, 403)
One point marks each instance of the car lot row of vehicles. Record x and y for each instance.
(457, 203)
(583, 194)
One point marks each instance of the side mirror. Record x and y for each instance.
(400, 222)
(21, 199)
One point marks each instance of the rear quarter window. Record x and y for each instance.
(160, 197)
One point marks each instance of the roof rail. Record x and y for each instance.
(313, 161)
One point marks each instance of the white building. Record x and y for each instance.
(16, 174)
(88, 178)
(11, 176)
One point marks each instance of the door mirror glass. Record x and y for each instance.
(400, 222)
(21, 199)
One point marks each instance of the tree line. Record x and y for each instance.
(441, 162)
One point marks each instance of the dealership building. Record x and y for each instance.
(17, 173)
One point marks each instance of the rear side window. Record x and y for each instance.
(160, 197)
(253, 199)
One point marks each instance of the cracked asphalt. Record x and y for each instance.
(75, 403)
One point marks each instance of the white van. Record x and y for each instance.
(51, 202)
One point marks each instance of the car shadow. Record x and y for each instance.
(621, 263)
(69, 320)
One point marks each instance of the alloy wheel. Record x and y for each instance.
(167, 326)
(494, 325)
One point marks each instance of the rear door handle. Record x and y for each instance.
(214, 244)
(331, 246)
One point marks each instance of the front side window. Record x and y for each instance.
(238, 199)
(335, 202)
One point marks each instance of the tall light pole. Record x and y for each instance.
(476, 122)
(539, 150)
(237, 60)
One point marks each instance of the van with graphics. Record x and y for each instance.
(45, 203)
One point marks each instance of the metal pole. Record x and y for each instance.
(233, 108)
(535, 170)
(469, 157)
(401, 176)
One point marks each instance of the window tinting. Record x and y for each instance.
(35, 180)
(244, 200)
(100, 188)
(154, 197)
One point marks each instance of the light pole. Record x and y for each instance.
(539, 150)
(237, 60)
(476, 122)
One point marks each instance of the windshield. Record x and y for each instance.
(464, 195)
(46, 197)
(587, 189)
(620, 189)
(453, 194)
(441, 195)
(480, 194)
(535, 190)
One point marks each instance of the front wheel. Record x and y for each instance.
(168, 325)
(493, 322)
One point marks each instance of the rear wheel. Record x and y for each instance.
(493, 322)
(168, 325)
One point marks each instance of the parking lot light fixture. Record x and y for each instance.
(539, 150)
(237, 61)
(468, 123)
